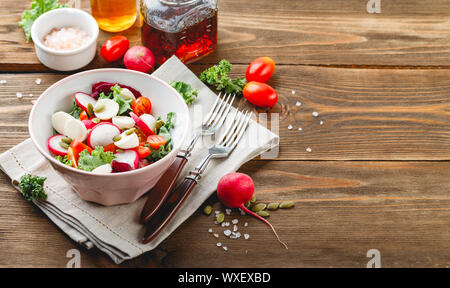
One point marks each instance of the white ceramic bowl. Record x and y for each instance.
(59, 18)
(116, 188)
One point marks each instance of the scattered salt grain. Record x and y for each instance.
(38, 81)
(246, 236)
(216, 235)
(227, 232)
(223, 224)
(31, 95)
(308, 149)
(235, 221)
(217, 212)
(241, 211)
(235, 228)
(293, 92)
(219, 244)
(19, 95)
(227, 224)
(290, 127)
(245, 224)
(2, 81)
(225, 248)
(315, 114)
(300, 129)
(321, 123)
(228, 211)
(215, 222)
(210, 230)
(238, 235)
(298, 103)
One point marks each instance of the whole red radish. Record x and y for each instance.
(234, 190)
(139, 58)
(260, 69)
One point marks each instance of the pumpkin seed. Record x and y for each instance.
(119, 151)
(95, 119)
(117, 138)
(207, 210)
(253, 199)
(90, 110)
(99, 107)
(67, 140)
(158, 125)
(273, 206)
(286, 204)
(259, 207)
(263, 213)
(220, 217)
(64, 145)
(130, 131)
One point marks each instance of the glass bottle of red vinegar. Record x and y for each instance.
(186, 28)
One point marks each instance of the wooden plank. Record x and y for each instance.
(342, 210)
(339, 33)
(367, 114)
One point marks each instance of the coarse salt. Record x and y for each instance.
(227, 232)
(19, 95)
(241, 211)
(234, 221)
(300, 128)
(290, 127)
(66, 38)
(298, 103)
(216, 235)
(238, 234)
(225, 248)
(245, 224)
(219, 244)
(293, 92)
(228, 211)
(210, 230)
(308, 149)
(2, 81)
(31, 95)
(235, 228)
(315, 114)
(246, 236)
(321, 122)
(38, 81)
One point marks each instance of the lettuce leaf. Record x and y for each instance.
(98, 157)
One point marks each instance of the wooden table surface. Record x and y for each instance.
(378, 173)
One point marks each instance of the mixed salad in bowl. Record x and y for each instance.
(110, 130)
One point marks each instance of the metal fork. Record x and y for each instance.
(211, 123)
(221, 149)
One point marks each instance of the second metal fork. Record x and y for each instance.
(211, 123)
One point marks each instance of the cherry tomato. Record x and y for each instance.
(260, 69)
(143, 151)
(84, 116)
(260, 94)
(155, 141)
(110, 148)
(114, 48)
(78, 147)
(143, 105)
(71, 157)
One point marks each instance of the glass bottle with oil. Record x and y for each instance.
(185, 28)
(114, 15)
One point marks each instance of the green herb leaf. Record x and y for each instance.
(217, 76)
(98, 157)
(32, 187)
(37, 8)
(64, 160)
(186, 91)
(76, 110)
(124, 104)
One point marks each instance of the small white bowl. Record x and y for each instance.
(65, 17)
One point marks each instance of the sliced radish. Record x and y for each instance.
(75, 129)
(59, 120)
(127, 141)
(149, 120)
(102, 134)
(54, 147)
(88, 123)
(120, 167)
(110, 109)
(141, 124)
(129, 157)
(127, 94)
(103, 169)
(84, 99)
(123, 122)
